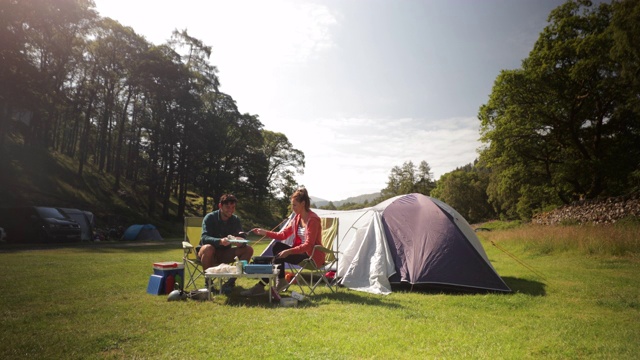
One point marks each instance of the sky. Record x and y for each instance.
(358, 86)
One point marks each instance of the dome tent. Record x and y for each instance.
(411, 239)
(141, 232)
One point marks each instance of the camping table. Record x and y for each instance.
(222, 276)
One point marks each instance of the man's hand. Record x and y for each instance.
(224, 241)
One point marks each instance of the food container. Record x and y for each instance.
(288, 302)
(297, 296)
(258, 269)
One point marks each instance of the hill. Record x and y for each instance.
(42, 178)
(38, 177)
(360, 199)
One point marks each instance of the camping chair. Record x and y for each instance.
(308, 266)
(192, 264)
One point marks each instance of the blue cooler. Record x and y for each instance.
(258, 269)
(156, 285)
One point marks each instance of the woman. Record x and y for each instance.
(308, 233)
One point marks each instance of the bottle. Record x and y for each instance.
(179, 281)
(238, 266)
(168, 284)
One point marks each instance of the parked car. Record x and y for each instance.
(38, 224)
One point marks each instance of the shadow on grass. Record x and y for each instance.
(522, 286)
(516, 285)
(432, 289)
(343, 296)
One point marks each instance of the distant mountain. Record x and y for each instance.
(360, 199)
(317, 202)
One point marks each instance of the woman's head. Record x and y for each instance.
(300, 200)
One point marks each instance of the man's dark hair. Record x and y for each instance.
(227, 199)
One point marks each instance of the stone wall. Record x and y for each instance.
(600, 211)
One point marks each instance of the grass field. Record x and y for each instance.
(568, 301)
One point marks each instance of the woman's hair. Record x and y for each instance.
(301, 195)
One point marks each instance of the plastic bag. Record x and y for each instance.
(222, 269)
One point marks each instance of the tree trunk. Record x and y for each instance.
(86, 131)
(120, 131)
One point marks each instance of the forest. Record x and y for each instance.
(89, 88)
(563, 127)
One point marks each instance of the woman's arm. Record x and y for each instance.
(283, 234)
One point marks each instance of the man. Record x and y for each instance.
(215, 247)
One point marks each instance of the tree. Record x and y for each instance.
(284, 161)
(54, 42)
(407, 179)
(17, 73)
(555, 129)
(201, 81)
(153, 114)
(401, 181)
(425, 182)
(42, 43)
(465, 190)
(625, 29)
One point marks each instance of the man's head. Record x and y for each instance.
(227, 205)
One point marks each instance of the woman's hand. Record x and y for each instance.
(259, 231)
(284, 253)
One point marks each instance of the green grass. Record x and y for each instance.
(622, 239)
(90, 302)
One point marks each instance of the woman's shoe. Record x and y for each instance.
(281, 284)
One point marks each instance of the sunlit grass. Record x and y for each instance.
(89, 301)
(608, 240)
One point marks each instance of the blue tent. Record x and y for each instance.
(141, 232)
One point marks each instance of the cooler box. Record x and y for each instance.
(170, 272)
(156, 285)
(258, 269)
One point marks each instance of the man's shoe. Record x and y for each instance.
(228, 286)
(257, 289)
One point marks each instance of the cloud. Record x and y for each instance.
(354, 156)
(277, 33)
(302, 65)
